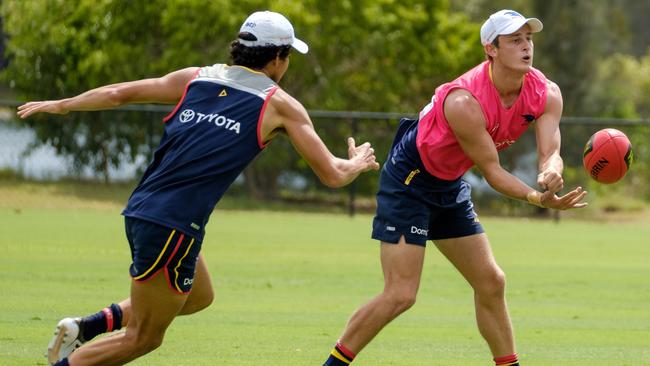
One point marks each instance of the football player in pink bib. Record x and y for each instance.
(422, 195)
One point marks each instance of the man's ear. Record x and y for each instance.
(272, 63)
(275, 61)
(490, 50)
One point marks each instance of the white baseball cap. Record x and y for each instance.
(506, 22)
(270, 28)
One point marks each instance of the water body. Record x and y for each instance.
(43, 163)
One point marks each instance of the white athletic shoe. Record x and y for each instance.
(65, 340)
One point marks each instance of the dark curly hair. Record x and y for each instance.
(256, 57)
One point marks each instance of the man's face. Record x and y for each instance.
(515, 50)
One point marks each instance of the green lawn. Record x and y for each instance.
(579, 292)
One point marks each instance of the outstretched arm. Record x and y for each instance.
(166, 90)
(286, 113)
(468, 124)
(547, 132)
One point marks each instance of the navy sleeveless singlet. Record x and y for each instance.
(209, 138)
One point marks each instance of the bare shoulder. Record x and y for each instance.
(553, 90)
(181, 75)
(553, 98)
(283, 100)
(285, 107)
(176, 80)
(461, 104)
(192, 70)
(283, 113)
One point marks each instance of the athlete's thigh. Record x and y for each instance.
(402, 264)
(471, 255)
(153, 306)
(202, 285)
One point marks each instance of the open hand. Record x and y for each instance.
(570, 200)
(363, 153)
(48, 106)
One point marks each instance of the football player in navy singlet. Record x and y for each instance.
(225, 115)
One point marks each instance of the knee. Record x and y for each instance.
(198, 302)
(492, 285)
(205, 300)
(152, 342)
(143, 343)
(401, 300)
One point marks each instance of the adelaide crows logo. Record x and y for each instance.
(513, 14)
(528, 119)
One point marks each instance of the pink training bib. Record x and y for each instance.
(440, 151)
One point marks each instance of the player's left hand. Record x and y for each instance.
(570, 200)
(550, 180)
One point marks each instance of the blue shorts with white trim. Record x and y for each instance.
(414, 204)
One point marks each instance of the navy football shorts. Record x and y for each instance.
(156, 248)
(417, 205)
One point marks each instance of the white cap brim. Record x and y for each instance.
(534, 23)
(300, 46)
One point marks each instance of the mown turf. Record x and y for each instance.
(285, 283)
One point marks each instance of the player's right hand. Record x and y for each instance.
(550, 180)
(570, 200)
(364, 154)
(47, 106)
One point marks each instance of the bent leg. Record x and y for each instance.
(472, 256)
(202, 293)
(153, 307)
(402, 267)
(200, 297)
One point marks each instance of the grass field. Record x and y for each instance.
(579, 292)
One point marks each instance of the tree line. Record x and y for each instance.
(383, 56)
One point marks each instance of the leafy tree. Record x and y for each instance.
(376, 56)
(621, 86)
(636, 15)
(60, 48)
(371, 55)
(585, 48)
(576, 35)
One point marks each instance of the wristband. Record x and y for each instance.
(534, 198)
